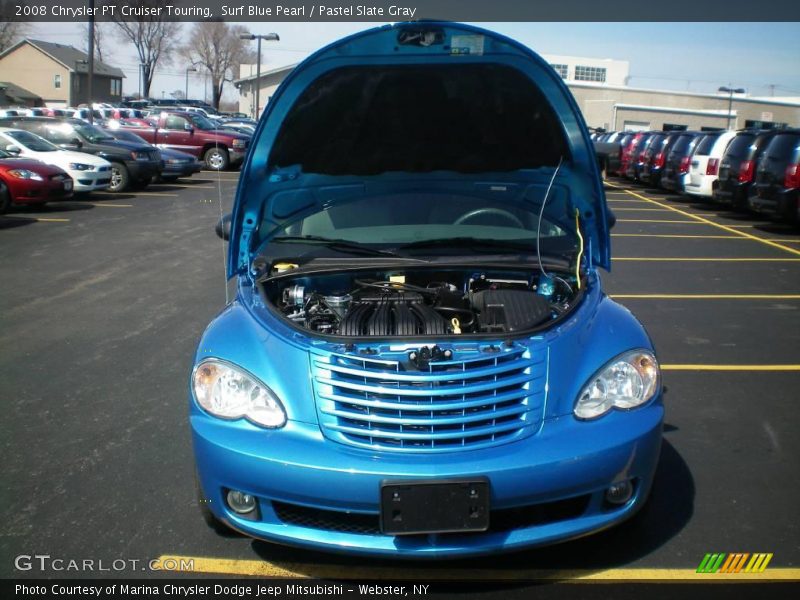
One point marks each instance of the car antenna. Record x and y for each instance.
(539, 228)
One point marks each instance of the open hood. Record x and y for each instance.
(439, 108)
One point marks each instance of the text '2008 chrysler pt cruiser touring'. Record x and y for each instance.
(420, 360)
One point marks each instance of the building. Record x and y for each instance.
(14, 95)
(59, 74)
(600, 88)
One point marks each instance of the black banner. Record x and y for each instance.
(402, 10)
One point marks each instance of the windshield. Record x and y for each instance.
(201, 122)
(32, 142)
(93, 134)
(401, 220)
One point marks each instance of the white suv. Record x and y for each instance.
(704, 163)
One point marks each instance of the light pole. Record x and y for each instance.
(186, 87)
(141, 81)
(270, 37)
(730, 91)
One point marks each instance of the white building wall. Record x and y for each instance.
(616, 71)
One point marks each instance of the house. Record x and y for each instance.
(248, 80)
(59, 74)
(14, 95)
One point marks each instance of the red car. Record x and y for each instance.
(26, 181)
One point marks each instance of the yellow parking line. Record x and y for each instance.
(685, 222)
(641, 209)
(47, 219)
(154, 194)
(680, 235)
(689, 367)
(111, 205)
(700, 259)
(261, 568)
(718, 225)
(785, 241)
(706, 296)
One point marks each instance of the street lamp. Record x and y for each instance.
(270, 37)
(186, 87)
(730, 91)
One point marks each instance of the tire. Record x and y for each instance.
(143, 183)
(5, 198)
(217, 159)
(120, 178)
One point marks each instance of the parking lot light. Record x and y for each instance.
(270, 37)
(730, 91)
(186, 87)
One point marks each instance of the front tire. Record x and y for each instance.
(120, 178)
(217, 159)
(5, 198)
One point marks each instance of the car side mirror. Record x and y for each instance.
(12, 149)
(223, 227)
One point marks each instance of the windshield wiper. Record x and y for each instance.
(335, 244)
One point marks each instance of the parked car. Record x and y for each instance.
(89, 173)
(653, 162)
(637, 155)
(704, 163)
(378, 385)
(197, 135)
(28, 181)
(776, 190)
(132, 164)
(175, 164)
(738, 167)
(676, 165)
(627, 151)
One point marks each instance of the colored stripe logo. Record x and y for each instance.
(741, 562)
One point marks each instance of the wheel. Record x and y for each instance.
(120, 178)
(499, 212)
(5, 198)
(208, 516)
(217, 159)
(143, 183)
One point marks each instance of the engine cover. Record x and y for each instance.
(393, 314)
(510, 310)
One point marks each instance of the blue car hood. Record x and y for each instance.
(302, 179)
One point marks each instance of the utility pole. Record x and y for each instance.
(89, 89)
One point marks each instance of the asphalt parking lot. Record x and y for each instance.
(103, 300)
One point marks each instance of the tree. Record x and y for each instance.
(100, 36)
(154, 38)
(216, 46)
(11, 32)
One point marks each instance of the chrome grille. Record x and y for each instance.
(490, 396)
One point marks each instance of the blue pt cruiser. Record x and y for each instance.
(420, 360)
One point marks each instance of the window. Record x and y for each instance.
(562, 70)
(57, 81)
(590, 73)
(116, 87)
(175, 122)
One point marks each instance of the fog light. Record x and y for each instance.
(619, 493)
(240, 502)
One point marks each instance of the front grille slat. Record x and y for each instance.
(383, 402)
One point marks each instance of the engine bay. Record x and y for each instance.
(403, 303)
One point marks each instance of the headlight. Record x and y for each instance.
(628, 381)
(230, 393)
(237, 143)
(25, 174)
(140, 156)
(80, 167)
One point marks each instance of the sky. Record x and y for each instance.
(696, 57)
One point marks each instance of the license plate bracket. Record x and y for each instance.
(436, 506)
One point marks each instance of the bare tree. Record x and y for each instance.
(155, 40)
(11, 32)
(216, 46)
(100, 36)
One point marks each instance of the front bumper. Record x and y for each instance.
(143, 170)
(88, 181)
(38, 192)
(566, 462)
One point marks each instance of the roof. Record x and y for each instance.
(267, 73)
(16, 92)
(70, 57)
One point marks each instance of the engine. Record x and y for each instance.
(420, 304)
